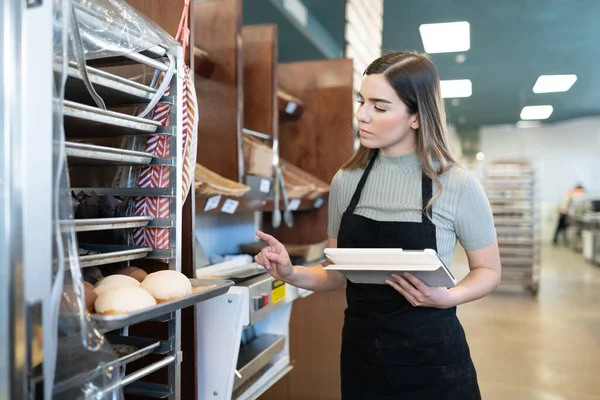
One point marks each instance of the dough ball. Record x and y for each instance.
(123, 300)
(167, 285)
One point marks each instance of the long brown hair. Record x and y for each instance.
(416, 82)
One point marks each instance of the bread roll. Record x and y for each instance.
(134, 272)
(123, 300)
(113, 282)
(167, 285)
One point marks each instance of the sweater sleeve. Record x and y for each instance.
(335, 210)
(474, 223)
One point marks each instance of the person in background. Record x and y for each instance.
(563, 212)
(403, 189)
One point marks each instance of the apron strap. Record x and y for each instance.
(361, 185)
(426, 195)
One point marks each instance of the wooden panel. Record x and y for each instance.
(321, 140)
(166, 13)
(260, 77)
(315, 345)
(218, 32)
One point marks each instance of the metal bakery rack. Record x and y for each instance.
(84, 121)
(511, 190)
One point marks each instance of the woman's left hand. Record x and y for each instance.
(419, 294)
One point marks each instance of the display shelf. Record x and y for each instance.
(203, 65)
(511, 189)
(248, 204)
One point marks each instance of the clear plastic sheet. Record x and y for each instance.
(114, 28)
(83, 352)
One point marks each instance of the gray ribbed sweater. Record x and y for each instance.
(393, 193)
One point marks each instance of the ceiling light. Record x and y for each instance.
(554, 83)
(536, 112)
(446, 38)
(528, 124)
(480, 156)
(456, 88)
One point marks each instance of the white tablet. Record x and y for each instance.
(374, 266)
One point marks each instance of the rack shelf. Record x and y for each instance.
(89, 154)
(510, 186)
(113, 89)
(86, 121)
(110, 254)
(103, 224)
(205, 289)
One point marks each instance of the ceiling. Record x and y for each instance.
(512, 43)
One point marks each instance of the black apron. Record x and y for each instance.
(390, 349)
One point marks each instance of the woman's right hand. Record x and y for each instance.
(274, 258)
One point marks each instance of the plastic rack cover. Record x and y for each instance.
(82, 350)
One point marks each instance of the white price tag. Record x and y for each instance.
(230, 206)
(319, 202)
(291, 107)
(212, 203)
(265, 185)
(294, 204)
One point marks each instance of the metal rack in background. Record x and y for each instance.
(511, 189)
(83, 120)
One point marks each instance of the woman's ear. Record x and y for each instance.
(415, 121)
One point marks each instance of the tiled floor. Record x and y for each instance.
(544, 348)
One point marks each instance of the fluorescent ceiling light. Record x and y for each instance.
(554, 83)
(446, 38)
(536, 112)
(528, 124)
(456, 88)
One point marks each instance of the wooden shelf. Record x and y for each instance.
(249, 204)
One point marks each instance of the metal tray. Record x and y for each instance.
(86, 121)
(89, 154)
(144, 347)
(107, 323)
(104, 224)
(113, 89)
(255, 355)
(110, 254)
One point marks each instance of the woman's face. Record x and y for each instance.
(383, 118)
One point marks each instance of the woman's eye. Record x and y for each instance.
(359, 101)
(379, 110)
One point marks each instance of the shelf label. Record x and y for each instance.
(265, 185)
(230, 206)
(294, 204)
(212, 203)
(277, 291)
(291, 107)
(319, 202)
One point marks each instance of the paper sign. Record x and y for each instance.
(291, 107)
(212, 203)
(294, 204)
(265, 185)
(230, 206)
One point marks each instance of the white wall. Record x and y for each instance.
(564, 154)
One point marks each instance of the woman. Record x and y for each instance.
(403, 189)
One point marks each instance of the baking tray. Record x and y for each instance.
(110, 254)
(107, 323)
(104, 224)
(89, 154)
(113, 89)
(85, 121)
